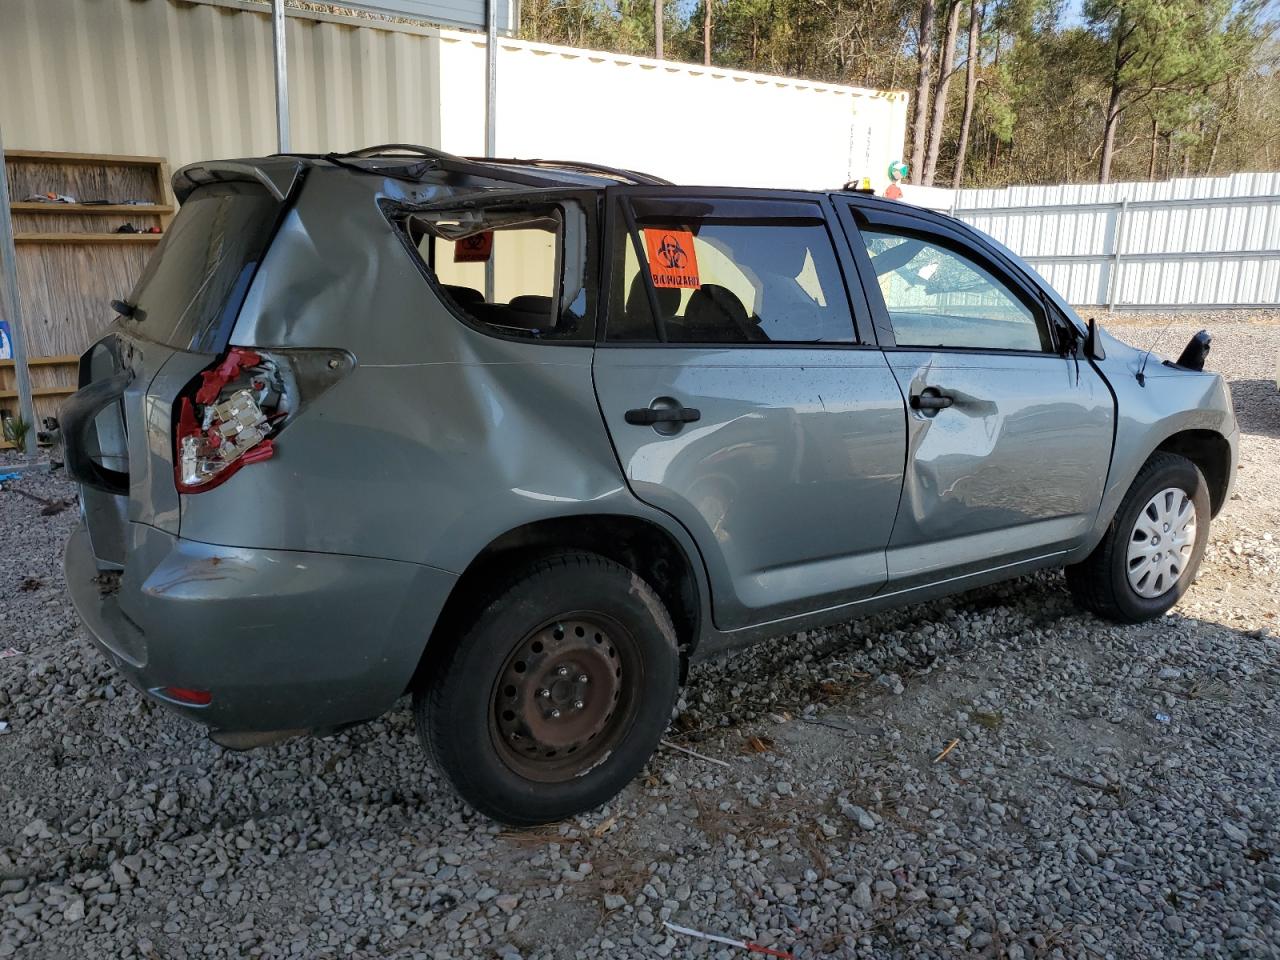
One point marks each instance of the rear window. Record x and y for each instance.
(518, 270)
(193, 286)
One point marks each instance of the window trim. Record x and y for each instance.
(619, 214)
(587, 199)
(856, 216)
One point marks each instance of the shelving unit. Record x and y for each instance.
(71, 262)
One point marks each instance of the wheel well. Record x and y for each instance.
(1211, 453)
(637, 544)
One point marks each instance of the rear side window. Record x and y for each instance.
(514, 270)
(191, 290)
(938, 297)
(727, 277)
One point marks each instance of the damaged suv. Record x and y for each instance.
(522, 439)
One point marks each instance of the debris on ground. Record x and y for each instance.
(729, 941)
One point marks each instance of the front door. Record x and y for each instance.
(741, 401)
(1009, 437)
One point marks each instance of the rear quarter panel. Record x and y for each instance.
(440, 440)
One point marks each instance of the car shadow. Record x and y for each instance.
(1257, 406)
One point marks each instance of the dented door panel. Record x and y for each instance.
(1012, 470)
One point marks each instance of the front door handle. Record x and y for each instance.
(647, 416)
(931, 399)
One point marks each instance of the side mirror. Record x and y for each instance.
(1092, 345)
(1196, 351)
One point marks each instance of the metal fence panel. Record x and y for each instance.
(1194, 242)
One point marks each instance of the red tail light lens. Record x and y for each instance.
(194, 698)
(229, 416)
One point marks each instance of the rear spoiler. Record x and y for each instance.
(279, 175)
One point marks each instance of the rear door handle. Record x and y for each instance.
(931, 399)
(647, 416)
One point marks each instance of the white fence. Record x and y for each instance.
(1199, 243)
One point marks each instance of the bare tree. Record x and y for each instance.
(945, 69)
(657, 28)
(706, 34)
(920, 115)
(976, 14)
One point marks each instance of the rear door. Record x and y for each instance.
(118, 428)
(742, 401)
(1009, 436)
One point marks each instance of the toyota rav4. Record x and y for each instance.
(523, 438)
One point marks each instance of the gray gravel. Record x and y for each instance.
(1112, 792)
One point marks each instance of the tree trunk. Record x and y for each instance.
(945, 69)
(657, 28)
(970, 91)
(706, 34)
(1114, 109)
(1155, 138)
(920, 114)
(1109, 134)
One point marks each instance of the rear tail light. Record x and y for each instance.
(232, 413)
(185, 695)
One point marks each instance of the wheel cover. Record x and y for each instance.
(1161, 543)
(564, 697)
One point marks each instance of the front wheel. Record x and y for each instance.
(1152, 550)
(556, 695)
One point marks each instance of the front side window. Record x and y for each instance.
(727, 279)
(937, 297)
(519, 270)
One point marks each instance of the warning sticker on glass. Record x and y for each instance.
(476, 248)
(672, 259)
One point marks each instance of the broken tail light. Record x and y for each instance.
(230, 415)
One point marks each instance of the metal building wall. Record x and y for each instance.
(1192, 242)
(194, 81)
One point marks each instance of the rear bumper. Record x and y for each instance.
(283, 640)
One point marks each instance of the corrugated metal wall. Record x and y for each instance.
(1193, 242)
(195, 81)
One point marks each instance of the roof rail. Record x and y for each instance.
(629, 176)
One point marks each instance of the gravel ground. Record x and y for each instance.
(1111, 792)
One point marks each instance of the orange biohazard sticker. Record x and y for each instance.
(476, 248)
(672, 260)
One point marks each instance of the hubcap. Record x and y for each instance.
(1161, 542)
(558, 703)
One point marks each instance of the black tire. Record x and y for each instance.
(1101, 583)
(576, 634)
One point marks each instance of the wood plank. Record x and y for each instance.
(40, 392)
(43, 361)
(22, 238)
(133, 208)
(99, 159)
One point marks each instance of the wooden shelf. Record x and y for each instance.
(34, 206)
(97, 159)
(40, 392)
(44, 361)
(21, 238)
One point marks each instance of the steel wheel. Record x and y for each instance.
(1161, 542)
(564, 696)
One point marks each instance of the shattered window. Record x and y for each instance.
(518, 270)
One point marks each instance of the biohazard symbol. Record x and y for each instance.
(671, 254)
(476, 248)
(673, 261)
